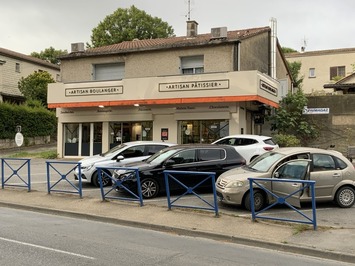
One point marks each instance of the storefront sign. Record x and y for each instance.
(268, 88)
(197, 85)
(94, 91)
(313, 111)
(164, 134)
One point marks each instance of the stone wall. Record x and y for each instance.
(338, 127)
(10, 143)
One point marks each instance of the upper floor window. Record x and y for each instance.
(17, 67)
(312, 72)
(192, 65)
(337, 72)
(108, 71)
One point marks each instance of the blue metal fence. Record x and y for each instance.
(283, 200)
(130, 173)
(63, 177)
(8, 165)
(190, 190)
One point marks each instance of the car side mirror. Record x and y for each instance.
(169, 163)
(119, 158)
(276, 175)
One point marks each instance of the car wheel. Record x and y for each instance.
(345, 197)
(150, 188)
(259, 201)
(106, 181)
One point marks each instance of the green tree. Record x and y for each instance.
(289, 120)
(128, 24)
(287, 50)
(50, 54)
(295, 68)
(34, 86)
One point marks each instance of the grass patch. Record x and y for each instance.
(50, 154)
(301, 228)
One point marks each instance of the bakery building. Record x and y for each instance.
(189, 89)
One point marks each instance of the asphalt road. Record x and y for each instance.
(29, 238)
(61, 176)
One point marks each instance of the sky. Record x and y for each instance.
(28, 26)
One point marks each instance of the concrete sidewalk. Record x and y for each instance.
(337, 244)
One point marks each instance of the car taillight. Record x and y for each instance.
(268, 148)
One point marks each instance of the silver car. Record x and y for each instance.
(334, 175)
(120, 155)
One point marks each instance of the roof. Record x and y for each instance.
(343, 83)
(168, 43)
(27, 58)
(320, 52)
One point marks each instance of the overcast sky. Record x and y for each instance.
(33, 25)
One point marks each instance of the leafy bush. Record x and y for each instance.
(34, 121)
(285, 140)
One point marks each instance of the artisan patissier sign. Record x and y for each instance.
(94, 91)
(195, 85)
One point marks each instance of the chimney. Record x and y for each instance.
(191, 28)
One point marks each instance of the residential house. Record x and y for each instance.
(188, 89)
(14, 66)
(319, 68)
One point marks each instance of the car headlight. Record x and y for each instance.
(89, 167)
(235, 184)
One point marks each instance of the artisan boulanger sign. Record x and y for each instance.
(94, 91)
(266, 87)
(196, 85)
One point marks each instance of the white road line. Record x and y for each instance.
(46, 248)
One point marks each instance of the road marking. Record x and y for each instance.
(46, 248)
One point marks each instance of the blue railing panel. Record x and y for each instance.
(169, 174)
(283, 200)
(63, 177)
(17, 168)
(118, 184)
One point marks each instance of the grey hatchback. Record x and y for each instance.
(334, 175)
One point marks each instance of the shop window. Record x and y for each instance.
(337, 72)
(71, 138)
(192, 65)
(108, 71)
(202, 131)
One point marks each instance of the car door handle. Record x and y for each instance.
(336, 175)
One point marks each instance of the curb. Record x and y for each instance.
(331, 255)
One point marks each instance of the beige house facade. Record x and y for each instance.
(189, 89)
(14, 66)
(324, 67)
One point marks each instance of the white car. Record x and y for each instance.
(120, 155)
(249, 146)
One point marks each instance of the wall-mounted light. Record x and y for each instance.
(101, 106)
(136, 104)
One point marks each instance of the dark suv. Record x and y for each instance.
(200, 158)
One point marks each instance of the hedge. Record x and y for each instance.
(34, 121)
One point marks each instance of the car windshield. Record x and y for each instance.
(265, 161)
(161, 156)
(113, 151)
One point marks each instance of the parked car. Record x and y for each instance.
(117, 156)
(334, 175)
(187, 157)
(249, 146)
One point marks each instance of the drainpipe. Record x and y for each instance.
(273, 40)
